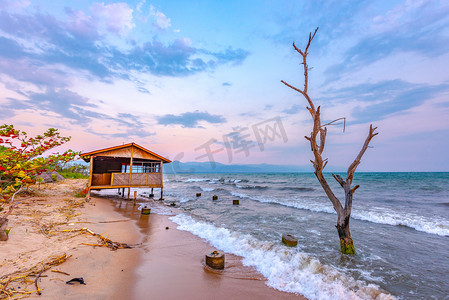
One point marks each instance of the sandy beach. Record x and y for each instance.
(163, 264)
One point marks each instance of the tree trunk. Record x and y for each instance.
(346, 243)
(3, 224)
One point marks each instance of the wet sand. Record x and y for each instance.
(108, 274)
(165, 264)
(172, 266)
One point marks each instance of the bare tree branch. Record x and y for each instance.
(332, 123)
(339, 180)
(353, 166)
(319, 131)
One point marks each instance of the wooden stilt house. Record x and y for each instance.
(125, 166)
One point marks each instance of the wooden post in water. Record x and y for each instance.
(289, 240)
(215, 260)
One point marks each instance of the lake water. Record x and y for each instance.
(399, 224)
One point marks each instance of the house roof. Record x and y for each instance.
(86, 156)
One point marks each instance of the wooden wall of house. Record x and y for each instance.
(101, 179)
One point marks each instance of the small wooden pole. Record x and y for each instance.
(289, 240)
(130, 168)
(145, 210)
(123, 192)
(162, 183)
(129, 191)
(135, 197)
(215, 260)
(91, 169)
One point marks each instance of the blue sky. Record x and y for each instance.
(200, 80)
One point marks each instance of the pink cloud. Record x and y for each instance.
(82, 25)
(117, 17)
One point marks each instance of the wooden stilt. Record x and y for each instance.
(162, 194)
(123, 192)
(129, 191)
(89, 184)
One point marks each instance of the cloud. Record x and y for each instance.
(77, 110)
(77, 45)
(11, 49)
(337, 21)
(226, 84)
(133, 132)
(40, 75)
(82, 25)
(294, 109)
(176, 59)
(419, 29)
(230, 55)
(117, 17)
(381, 99)
(190, 119)
(14, 4)
(162, 22)
(65, 103)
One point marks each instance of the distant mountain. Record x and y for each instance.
(206, 167)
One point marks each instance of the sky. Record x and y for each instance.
(200, 81)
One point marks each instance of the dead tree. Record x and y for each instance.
(317, 141)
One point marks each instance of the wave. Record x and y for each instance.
(385, 216)
(252, 187)
(204, 189)
(285, 268)
(296, 189)
(196, 180)
(434, 226)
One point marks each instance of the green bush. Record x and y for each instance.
(76, 171)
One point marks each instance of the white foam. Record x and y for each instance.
(184, 199)
(204, 189)
(375, 215)
(420, 223)
(284, 268)
(241, 195)
(196, 179)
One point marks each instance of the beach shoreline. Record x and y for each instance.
(165, 263)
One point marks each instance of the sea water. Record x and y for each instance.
(399, 224)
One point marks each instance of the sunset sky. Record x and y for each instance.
(184, 77)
